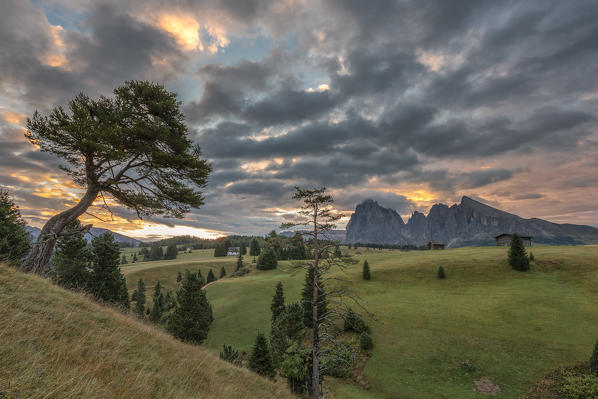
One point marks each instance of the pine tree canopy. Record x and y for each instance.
(14, 239)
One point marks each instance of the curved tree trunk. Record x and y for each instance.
(42, 250)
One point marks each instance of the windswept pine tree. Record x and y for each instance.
(517, 255)
(133, 147)
(261, 360)
(277, 306)
(106, 281)
(140, 298)
(14, 239)
(72, 260)
(192, 315)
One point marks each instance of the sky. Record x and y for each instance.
(410, 103)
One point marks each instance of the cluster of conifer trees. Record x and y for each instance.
(155, 252)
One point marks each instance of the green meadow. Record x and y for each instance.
(509, 326)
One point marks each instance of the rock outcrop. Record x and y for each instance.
(467, 223)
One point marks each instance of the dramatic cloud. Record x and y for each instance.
(405, 102)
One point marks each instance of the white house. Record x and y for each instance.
(233, 251)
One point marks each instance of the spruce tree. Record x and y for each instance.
(239, 261)
(202, 281)
(123, 260)
(243, 249)
(261, 360)
(106, 281)
(441, 272)
(156, 313)
(192, 315)
(254, 248)
(14, 239)
(71, 261)
(156, 253)
(267, 260)
(222, 272)
(307, 298)
(158, 294)
(288, 327)
(179, 278)
(517, 256)
(171, 252)
(277, 306)
(140, 304)
(134, 257)
(211, 277)
(366, 271)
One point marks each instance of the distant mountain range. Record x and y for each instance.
(464, 224)
(93, 232)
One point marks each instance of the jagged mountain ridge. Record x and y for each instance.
(93, 232)
(467, 223)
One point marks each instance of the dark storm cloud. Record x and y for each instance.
(411, 87)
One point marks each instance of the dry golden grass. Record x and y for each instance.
(59, 344)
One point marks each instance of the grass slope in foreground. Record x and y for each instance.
(59, 344)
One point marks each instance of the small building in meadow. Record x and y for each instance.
(504, 240)
(233, 251)
(436, 245)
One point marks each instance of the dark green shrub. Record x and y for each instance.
(338, 362)
(230, 355)
(468, 367)
(354, 323)
(580, 386)
(366, 342)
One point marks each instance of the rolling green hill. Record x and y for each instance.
(59, 344)
(509, 326)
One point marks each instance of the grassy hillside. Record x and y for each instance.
(512, 327)
(58, 344)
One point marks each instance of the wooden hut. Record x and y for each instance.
(505, 239)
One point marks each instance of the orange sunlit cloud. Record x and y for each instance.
(186, 31)
(155, 230)
(15, 118)
(55, 56)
